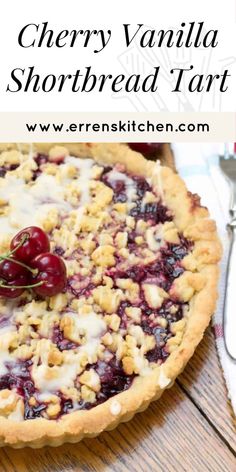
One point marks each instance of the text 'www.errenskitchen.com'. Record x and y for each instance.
(129, 126)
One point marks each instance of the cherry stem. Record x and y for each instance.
(8, 255)
(22, 241)
(33, 271)
(2, 285)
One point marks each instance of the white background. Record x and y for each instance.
(115, 58)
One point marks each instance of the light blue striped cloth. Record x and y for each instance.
(198, 165)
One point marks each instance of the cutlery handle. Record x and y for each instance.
(230, 295)
(232, 203)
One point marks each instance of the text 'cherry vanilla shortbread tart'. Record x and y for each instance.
(108, 279)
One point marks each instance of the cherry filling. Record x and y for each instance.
(42, 159)
(17, 375)
(59, 251)
(66, 406)
(112, 376)
(61, 342)
(5, 169)
(161, 272)
(119, 188)
(164, 270)
(19, 378)
(145, 148)
(154, 212)
(113, 381)
(83, 290)
(119, 191)
(160, 353)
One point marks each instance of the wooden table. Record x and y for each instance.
(191, 428)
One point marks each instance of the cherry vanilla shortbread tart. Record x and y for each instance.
(111, 299)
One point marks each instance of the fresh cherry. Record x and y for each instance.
(145, 148)
(10, 269)
(12, 275)
(34, 242)
(51, 273)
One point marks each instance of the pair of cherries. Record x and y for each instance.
(30, 264)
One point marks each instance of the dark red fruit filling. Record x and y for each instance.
(118, 187)
(145, 148)
(19, 378)
(149, 326)
(5, 169)
(163, 271)
(4, 321)
(84, 290)
(113, 380)
(66, 406)
(59, 251)
(42, 159)
(142, 186)
(61, 342)
(154, 212)
(112, 376)
(119, 190)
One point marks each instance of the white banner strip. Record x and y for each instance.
(117, 127)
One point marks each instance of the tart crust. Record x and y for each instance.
(193, 221)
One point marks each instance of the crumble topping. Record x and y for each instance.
(125, 305)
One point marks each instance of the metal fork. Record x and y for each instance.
(228, 166)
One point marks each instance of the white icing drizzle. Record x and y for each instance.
(94, 378)
(31, 153)
(115, 175)
(30, 204)
(154, 237)
(5, 356)
(115, 408)
(163, 380)
(90, 348)
(156, 177)
(52, 379)
(84, 166)
(17, 414)
(90, 324)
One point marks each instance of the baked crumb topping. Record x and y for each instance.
(125, 306)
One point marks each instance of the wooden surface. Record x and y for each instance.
(191, 428)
